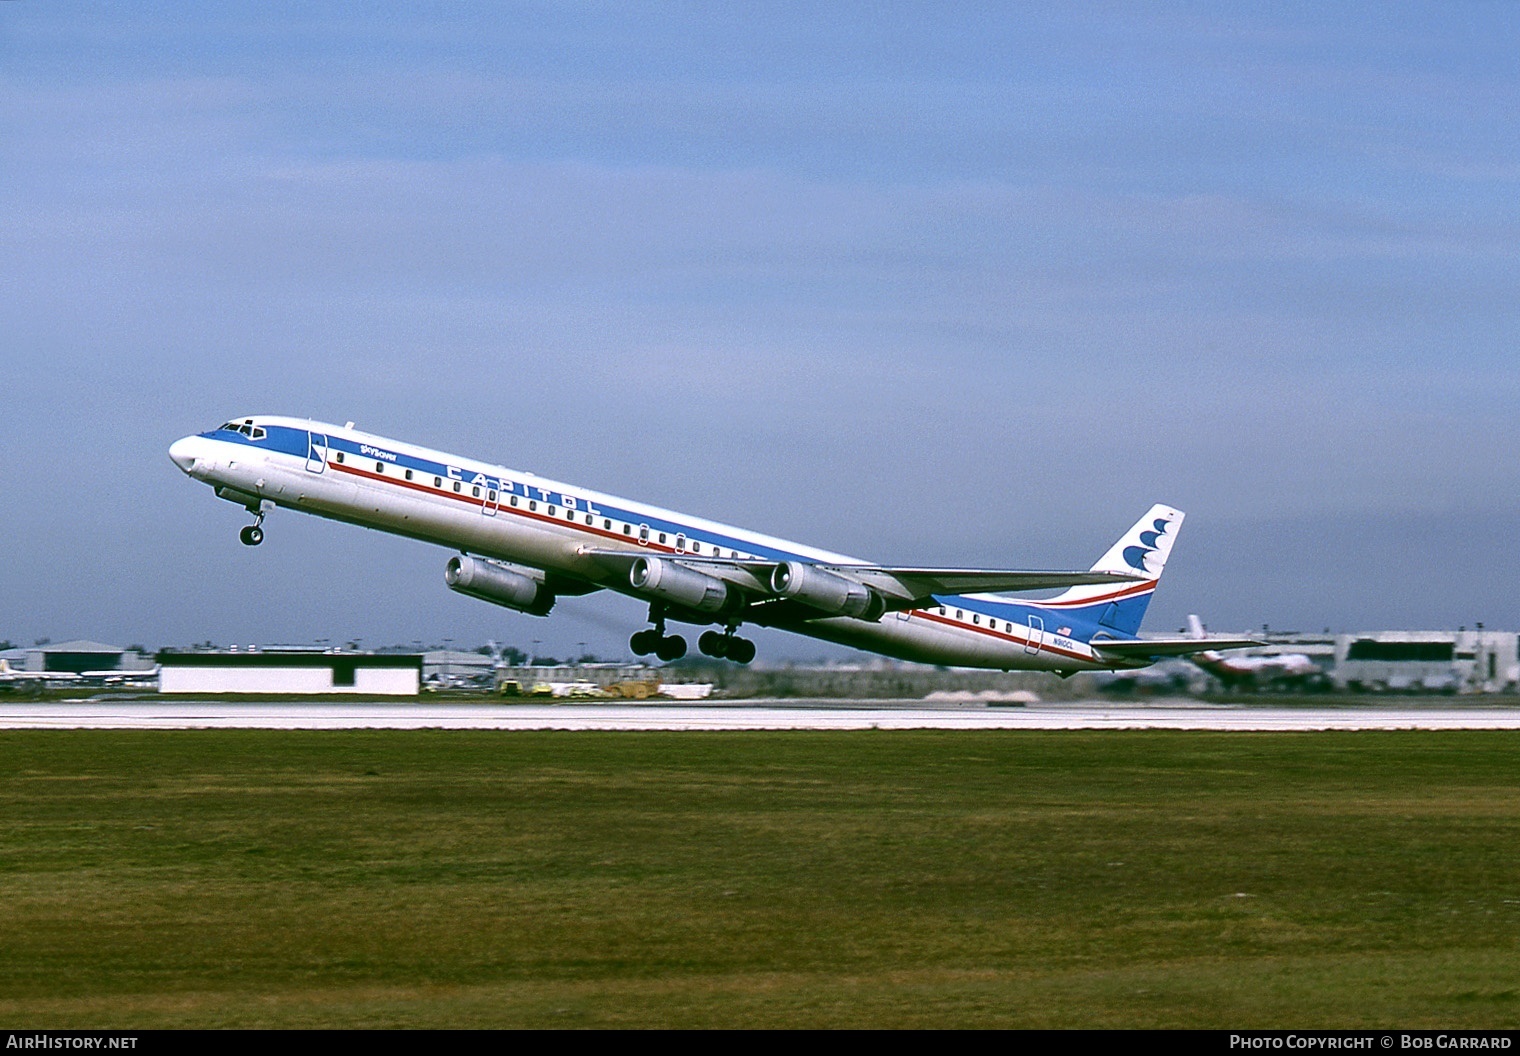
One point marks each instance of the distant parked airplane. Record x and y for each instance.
(523, 541)
(11, 678)
(1281, 670)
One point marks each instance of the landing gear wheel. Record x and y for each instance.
(741, 650)
(713, 644)
(644, 642)
(671, 648)
(252, 535)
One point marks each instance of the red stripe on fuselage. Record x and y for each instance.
(516, 511)
(935, 617)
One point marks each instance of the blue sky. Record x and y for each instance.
(926, 283)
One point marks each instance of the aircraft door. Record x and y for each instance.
(316, 452)
(1036, 635)
(492, 501)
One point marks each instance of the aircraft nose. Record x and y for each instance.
(182, 453)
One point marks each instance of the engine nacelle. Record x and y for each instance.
(676, 583)
(826, 592)
(498, 584)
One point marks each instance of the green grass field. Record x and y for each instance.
(464, 879)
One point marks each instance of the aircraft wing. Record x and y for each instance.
(918, 586)
(1144, 648)
(900, 588)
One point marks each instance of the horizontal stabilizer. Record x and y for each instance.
(1145, 648)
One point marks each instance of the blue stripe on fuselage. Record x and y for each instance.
(292, 441)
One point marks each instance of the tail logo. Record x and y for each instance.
(1135, 556)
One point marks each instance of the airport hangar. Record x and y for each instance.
(77, 657)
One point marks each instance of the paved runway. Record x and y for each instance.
(1177, 714)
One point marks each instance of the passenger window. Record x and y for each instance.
(408, 474)
(437, 482)
(643, 533)
(379, 467)
(680, 542)
(976, 620)
(627, 529)
(514, 500)
(340, 457)
(960, 614)
(456, 487)
(475, 492)
(606, 526)
(1008, 628)
(588, 518)
(941, 610)
(662, 537)
(553, 510)
(490, 495)
(532, 505)
(696, 548)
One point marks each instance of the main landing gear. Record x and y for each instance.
(670, 647)
(739, 650)
(667, 647)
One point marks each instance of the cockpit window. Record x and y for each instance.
(246, 427)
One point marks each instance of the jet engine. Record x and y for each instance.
(826, 592)
(498, 584)
(680, 585)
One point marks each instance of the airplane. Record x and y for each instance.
(524, 541)
(11, 678)
(1280, 670)
(127, 679)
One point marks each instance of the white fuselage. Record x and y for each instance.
(488, 510)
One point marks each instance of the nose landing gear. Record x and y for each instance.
(253, 535)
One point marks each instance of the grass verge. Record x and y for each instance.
(926, 878)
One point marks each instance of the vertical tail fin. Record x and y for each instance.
(1143, 551)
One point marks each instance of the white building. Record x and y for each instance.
(365, 674)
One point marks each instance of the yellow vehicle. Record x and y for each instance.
(634, 689)
(511, 687)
